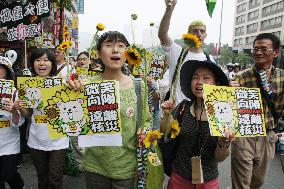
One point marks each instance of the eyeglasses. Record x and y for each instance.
(82, 59)
(262, 49)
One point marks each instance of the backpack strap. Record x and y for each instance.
(180, 61)
(207, 56)
(137, 84)
(61, 68)
(176, 74)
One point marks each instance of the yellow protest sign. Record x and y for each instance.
(92, 114)
(29, 89)
(83, 73)
(237, 109)
(65, 111)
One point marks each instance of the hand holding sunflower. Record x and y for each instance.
(191, 40)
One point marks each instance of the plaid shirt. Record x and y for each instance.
(247, 79)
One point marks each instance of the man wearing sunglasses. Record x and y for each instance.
(174, 51)
(251, 156)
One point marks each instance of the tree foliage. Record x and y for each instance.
(244, 59)
(208, 48)
(226, 55)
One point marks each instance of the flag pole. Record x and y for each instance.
(220, 35)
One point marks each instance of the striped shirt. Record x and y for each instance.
(248, 79)
(191, 138)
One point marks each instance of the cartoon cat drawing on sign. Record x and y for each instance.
(224, 115)
(66, 112)
(33, 97)
(71, 116)
(221, 110)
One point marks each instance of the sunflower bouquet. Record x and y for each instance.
(191, 40)
(65, 45)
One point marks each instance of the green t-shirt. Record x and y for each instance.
(119, 162)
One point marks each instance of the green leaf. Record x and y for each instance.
(85, 129)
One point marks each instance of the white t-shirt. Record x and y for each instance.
(39, 136)
(173, 53)
(64, 72)
(10, 136)
(164, 85)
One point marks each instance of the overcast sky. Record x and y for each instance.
(115, 15)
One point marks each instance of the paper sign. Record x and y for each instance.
(92, 114)
(83, 73)
(237, 109)
(29, 89)
(6, 90)
(65, 111)
(157, 64)
(104, 111)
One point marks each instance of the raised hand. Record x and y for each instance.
(7, 104)
(170, 2)
(168, 105)
(19, 104)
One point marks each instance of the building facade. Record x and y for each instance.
(253, 17)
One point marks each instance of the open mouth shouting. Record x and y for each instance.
(115, 58)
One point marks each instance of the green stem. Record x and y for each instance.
(152, 38)
(145, 99)
(92, 43)
(132, 33)
(68, 69)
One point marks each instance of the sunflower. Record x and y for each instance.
(210, 109)
(151, 138)
(70, 43)
(93, 53)
(63, 47)
(175, 129)
(22, 92)
(65, 28)
(51, 113)
(191, 40)
(134, 16)
(133, 56)
(100, 27)
(65, 35)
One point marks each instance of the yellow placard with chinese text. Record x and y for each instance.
(236, 109)
(29, 89)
